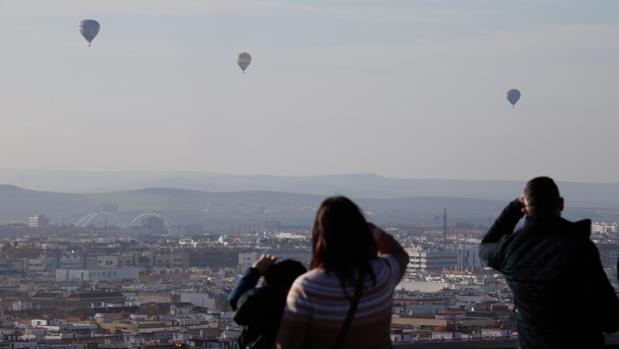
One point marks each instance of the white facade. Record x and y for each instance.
(198, 300)
(246, 259)
(97, 274)
(604, 228)
(20, 305)
(107, 261)
(41, 266)
(433, 261)
(495, 332)
(127, 259)
(423, 286)
(71, 261)
(445, 335)
(38, 221)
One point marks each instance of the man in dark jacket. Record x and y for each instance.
(259, 309)
(562, 295)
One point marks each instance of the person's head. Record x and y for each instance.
(342, 240)
(283, 273)
(542, 198)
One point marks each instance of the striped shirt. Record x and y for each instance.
(317, 305)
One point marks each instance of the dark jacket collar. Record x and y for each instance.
(581, 228)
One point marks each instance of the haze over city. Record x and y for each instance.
(403, 89)
(350, 174)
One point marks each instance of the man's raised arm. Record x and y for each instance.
(493, 241)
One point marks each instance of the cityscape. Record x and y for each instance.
(325, 174)
(154, 285)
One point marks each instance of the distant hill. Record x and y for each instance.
(293, 208)
(17, 204)
(355, 185)
(233, 209)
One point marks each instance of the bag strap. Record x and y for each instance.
(351, 313)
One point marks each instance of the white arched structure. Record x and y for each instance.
(85, 221)
(139, 219)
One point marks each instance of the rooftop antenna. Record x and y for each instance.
(444, 225)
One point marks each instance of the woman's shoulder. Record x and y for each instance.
(311, 276)
(316, 279)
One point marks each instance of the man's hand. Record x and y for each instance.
(523, 203)
(263, 263)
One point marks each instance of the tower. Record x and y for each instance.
(444, 225)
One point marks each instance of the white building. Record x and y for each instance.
(21, 305)
(446, 335)
(423, 286)
(430, 261)
(107, 261)
(246, 259)
(71, 261)
(38, 221)
(604, 228)
(41, 266)
(97, 274)
(495, 332)
(199, 300)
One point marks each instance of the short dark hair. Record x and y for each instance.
(283, 273)
(542, 196)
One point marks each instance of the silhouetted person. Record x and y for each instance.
(345, 300)
(563, 297)
(259, 309)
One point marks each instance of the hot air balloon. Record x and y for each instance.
(513, 96)
(243, 61)
(89, 29)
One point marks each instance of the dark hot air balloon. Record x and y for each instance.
(89, 28)
(244, 60)
(513, 96)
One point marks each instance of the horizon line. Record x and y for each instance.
(343, 174)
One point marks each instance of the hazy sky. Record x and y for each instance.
(399, 88)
